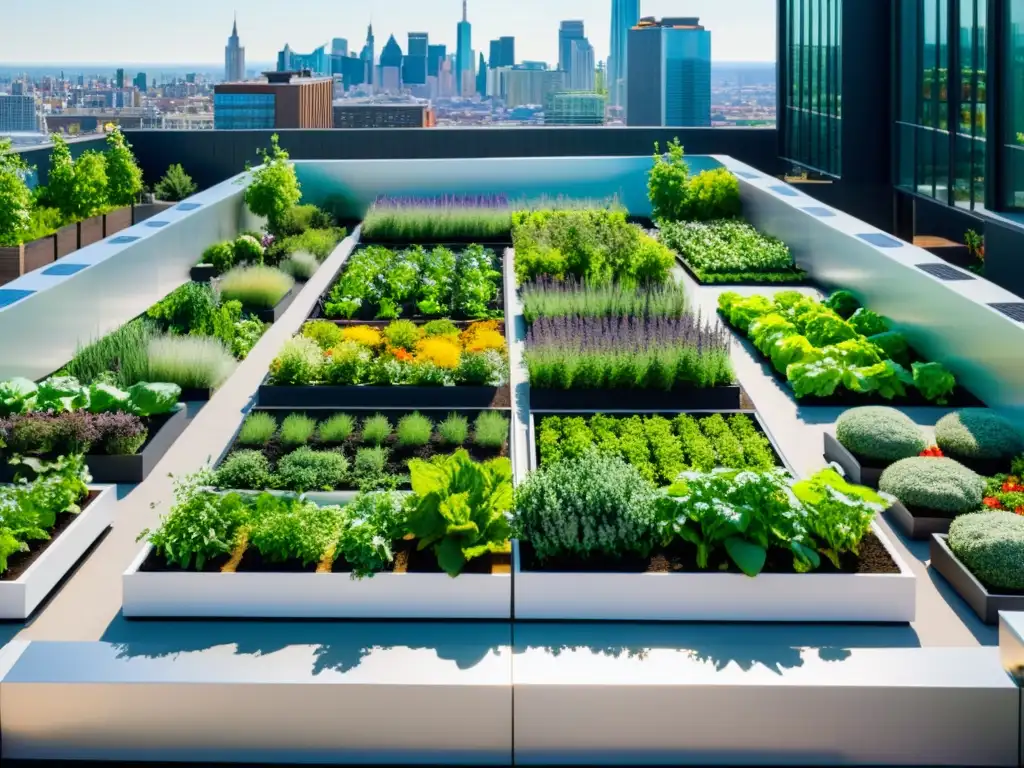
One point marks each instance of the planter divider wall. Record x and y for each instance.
(983, 602)
(326, 396)
(917, 526)
(855, 472)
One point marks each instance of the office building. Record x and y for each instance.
(351, 69)
(532, 86)
(625, 16)
(573, 108)
(351, 114)
(391, 66)
(567, 32)
(339, 46)
(581, 65)
(435, 55)
(119, 79)
(234, 57)
(17, 114)
(481, 77)
(502, 53)
(282, 100)
(669, 73)
(369, 59)
(140, 82)
(414, 66)
(494, 60)
(318, 62)
(464, 54)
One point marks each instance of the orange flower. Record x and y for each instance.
(932, 452)
(400, 354)
(992, 502)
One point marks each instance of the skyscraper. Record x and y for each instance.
(669, 73)
(464, 53)
(567, 32)
(119, 79)
(435, 55)
(625, 15)
(481, 76)
(234, 57)
(494, 60)
(369, 58)
(414, 68)
(339, 47)
(581, 65)
(508, 51)
(391, 65)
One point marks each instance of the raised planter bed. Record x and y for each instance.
(716, 596)
(693, 398)
(327, 396)
(918, 524)
(196, 395)
(202, 273)
(983, 602)
(163, 431)
(452, 242)
(39, 571)
(150, 591)
(274, 314)
(856, 472)
(796, 277)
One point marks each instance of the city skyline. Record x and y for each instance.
(264, 28)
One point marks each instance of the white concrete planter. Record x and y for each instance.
(717, 596)
(313, 595)
(19, 598)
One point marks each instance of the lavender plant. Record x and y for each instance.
(547, 297)
(627, 353)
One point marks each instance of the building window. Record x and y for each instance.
(813, 63)
(1013, 130)
(235, 111)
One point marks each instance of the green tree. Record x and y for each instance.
(124, 177)
(274, 188)
(667, 183)
(91, 185)
(175, 186)
(15, 198)
(61, 185)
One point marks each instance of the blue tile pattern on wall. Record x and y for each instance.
(9, 296)
(819, 211)
(880, 240)
(188, 206)
(747, 175)
(122, 239)
(157, 224)
(62, 270)
(782, 189)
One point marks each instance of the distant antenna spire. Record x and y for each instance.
(234, 29)
(464, 11)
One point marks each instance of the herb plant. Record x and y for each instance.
(454, 429)
(297, 429)
(490, 430)
(336, 429)
(413, 430)
(376, 429)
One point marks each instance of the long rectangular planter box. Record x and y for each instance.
(984, 603)
(313, 595)
(66, 240)
(326, 396)
(824, 597)
(274, 314)
(855, 472)
(695, 399)
(196, 395)
(202, 273)
(797, 277)
(917, 526)
(20, 597)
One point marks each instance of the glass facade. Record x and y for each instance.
(812, 98)
(235, 111)
(1013, 122)
(941, 81)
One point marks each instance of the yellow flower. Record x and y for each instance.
(480, 337)
(365, 335)
(440, 351)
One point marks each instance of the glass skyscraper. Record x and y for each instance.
(464, 54)
(669, 73)
(625, 15)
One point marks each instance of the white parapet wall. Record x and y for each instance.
(47, 314)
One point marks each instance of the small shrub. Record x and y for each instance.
(175, 186)
(991, 545)
(713, 194)
(325, 333)
(298, 364)
(297, 429)
(370, 462)
(191, 362)
(256, 287)
(403, 334)
(376, 429)
(453, 430)
(190, 308)
(247, 250)
(413, 430)
(297, 220)
(307, 470)
(440, 328)
(975, 433)
(593, 505)
(258, 429)
(491, 429)
(879, 434)
(337, 428)
(244, 470)
(120, 434)
(221, 256)
(938, 484)
(301, 265)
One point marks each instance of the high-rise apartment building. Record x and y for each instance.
(567, 32)
(481, 77)
(435, 55)
(625, 16)
(414, 67)
(581, 65)
(283, 100)
(494, 60)
(234, 57)
(464, 54)
(318, 62)
(339, 46)
(669, 73)
(17, 114)
(140, 82)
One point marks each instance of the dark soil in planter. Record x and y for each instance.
(196, 395)
(410, 311)
(405, 555)
(398, 456)
(984, 467)
(20, 562)
(682, 558)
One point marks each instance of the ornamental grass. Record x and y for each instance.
(255, 287)
(547, 297)
(437, 219)
(627, 353)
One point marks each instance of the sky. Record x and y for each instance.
(195, 31)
